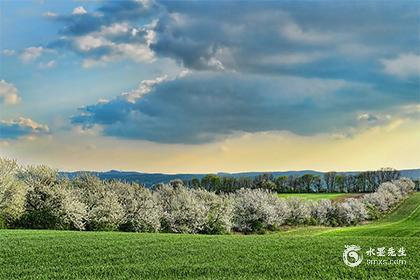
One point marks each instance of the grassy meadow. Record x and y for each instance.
(318, 196)
(309, 252)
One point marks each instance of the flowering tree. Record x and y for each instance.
(142, 211)
(300, 211)
(12, 193)
(104, 211)
(323, 212)
(182, 212)
(253, 210)
(350, 212)
(217, 211)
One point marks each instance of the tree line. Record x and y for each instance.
(329, 182)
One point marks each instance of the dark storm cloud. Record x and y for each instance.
(305, 67)
(203, 107)
(260, 36)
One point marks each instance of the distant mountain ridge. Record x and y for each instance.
(150, 179)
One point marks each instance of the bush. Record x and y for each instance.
(104, 211)
(282, 211)
(405, 185)
(74, 212)
(182, 212)
(12, 193)
(46, 204)
(350, 212)
(377, 201)
(300, 211)
(254, 210)
(387, 195)
(142, 212)
(217, 211)
(324, 212)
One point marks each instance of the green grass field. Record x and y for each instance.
(317, 196)
(301, 253)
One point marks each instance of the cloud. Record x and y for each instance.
(343, 42)
(282, 38)
(291, 58)
(294, 32)
(200, 108)
(79, 11)
(114, 33)
(403, 66)
(8, 52)
(21, 127)
(111, 43)
(144, 88)
(48, 65)
(258, 67)
(389, 119)
(374, 119)
(357, 50)
(8, 93)
(367, 117)
(50, 14)
(110, 12)
(31, 53)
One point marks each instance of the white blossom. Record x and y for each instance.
(182, 212)
(254, 210)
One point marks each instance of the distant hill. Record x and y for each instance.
(411, 173)
(150, 179)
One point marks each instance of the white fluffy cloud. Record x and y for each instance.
(31, 53)
(137, 51)
(8, 93)
(79, 11)
(144, 87)
(21, 127)
(403, 66)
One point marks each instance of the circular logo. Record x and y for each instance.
(351, 255)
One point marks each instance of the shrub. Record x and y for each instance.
(217, 211)
(405, 185)
(74, 212)
(387, 195)
(104, 211)
(324, 212)
(351, 211)
(377, 200)
(182, 212)
(46, 199)
(142, 212)
(12, 193)
(300, 211)
(282, 211)
(392, 192)
(254, 210)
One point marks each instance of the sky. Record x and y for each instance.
(209, 86)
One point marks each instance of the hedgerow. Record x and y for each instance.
(38, 197)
